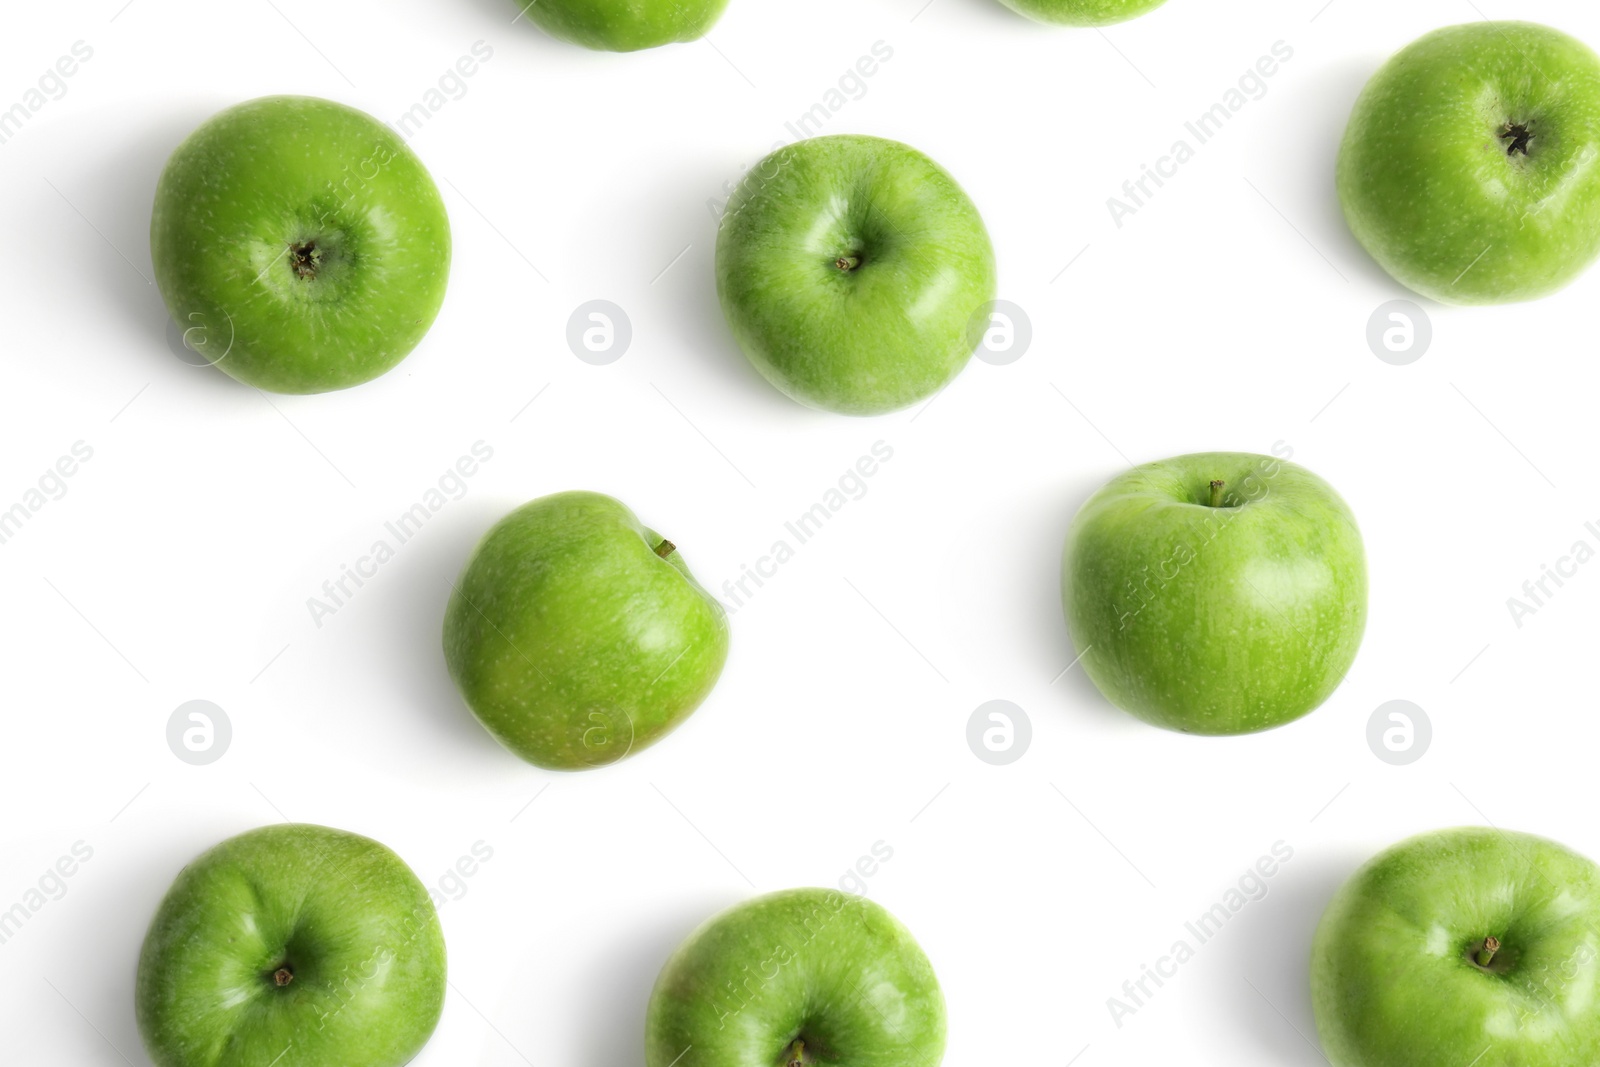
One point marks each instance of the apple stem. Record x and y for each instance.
(665, 549)
(1485, 956)
(282, 977)
(306, 258)
(1519, 135)
(795, 1057)
(847, 263)
(1217, 486)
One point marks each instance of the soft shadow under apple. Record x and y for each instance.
(1267, 984)
(115, 191)
(675, 216)
(413, 614)
(1308, 128)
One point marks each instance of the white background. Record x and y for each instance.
(1229, 312)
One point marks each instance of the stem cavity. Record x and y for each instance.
(1517, 135)
(305, 258)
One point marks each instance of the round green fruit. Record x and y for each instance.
(1083, 12)
(1458, 947)
(799, 978)
(291, 946)
(1469, 168)
(854, 273)
(1215, 593)
(624, 25)
(577, 636)
(299, 244)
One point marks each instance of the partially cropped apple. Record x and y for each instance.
(578, 636)
(624, 25)
(1469, 168)
(1215, 593)
(291, 946)
(799, 978)
(299, 244)
(854, 273)
(1083, 12)
(1468, 946)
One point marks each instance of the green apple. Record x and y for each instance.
(1083, 12)
(1471, 166)
(300, 245)
(1216, 593)
(854, 272)
(624, 25)
(800, 978)
(291, 946)
(1467, 946)
(578, 636)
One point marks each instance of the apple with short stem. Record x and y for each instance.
(1472, 945)
(578, 636)
(854, 273)
(798, 978)
(299, 244)
(291, 946)
(1468, 169)
(1215, 593)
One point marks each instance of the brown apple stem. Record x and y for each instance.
(796, 1056)
(1485, 955)
(305, 258)
(282, 976)
(1517, 135)
(847, 263)
(665, 549)
(1217, 486)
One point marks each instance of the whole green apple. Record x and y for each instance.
(578, 636)
(291, 946)
(800, 978)
(1083, 12)
(624, 25)
(1469, 171)
(1467, 946)
(300, 245)
(1215, 593)
(854, 273)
